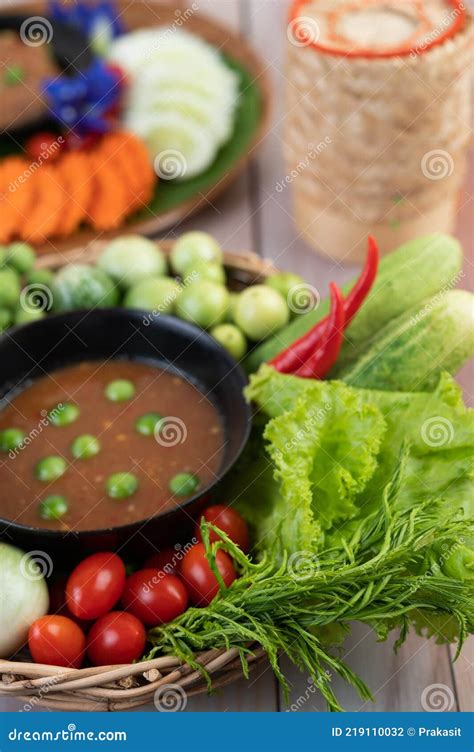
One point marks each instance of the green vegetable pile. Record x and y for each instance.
(358, 491)
(133, 272)
(17, 273)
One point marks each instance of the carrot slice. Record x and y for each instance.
(16, 179)
(75, 169)
(109, 200)
(42, 219)
(133, 162)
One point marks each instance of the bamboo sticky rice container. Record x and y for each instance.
(377, 119)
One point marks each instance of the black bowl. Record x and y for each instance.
(27, 352)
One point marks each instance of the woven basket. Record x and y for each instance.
(374, 144)
(166, 681)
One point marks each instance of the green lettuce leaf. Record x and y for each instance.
(334, 449)
(317, 459)
(324, 455)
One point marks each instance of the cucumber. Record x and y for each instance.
(413, 272)
(180, 149)
(197, 109)
(412, 351)
(181, 99)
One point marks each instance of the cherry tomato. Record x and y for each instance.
(95, 585)
(154, 597)
(164, 560)
(44, 146)
(198, 577)
(117, 637)
(57, 641)
(229, 521)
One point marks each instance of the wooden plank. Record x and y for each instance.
(463, 671)
(418, 675)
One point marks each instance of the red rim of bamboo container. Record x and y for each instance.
(298, 6)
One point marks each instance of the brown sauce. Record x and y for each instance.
(188, 414)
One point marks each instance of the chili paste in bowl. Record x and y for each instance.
(113, 429)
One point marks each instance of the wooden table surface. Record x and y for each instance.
(254, 215)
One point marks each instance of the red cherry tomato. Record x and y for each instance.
(117, 637)
(229, 521)
(198, 577)
(44, 146)
(164, 560)
(57, 641)
(154, 597)
(95, 585)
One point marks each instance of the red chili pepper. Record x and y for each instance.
(326, 355)
(296, 355)
(366, 279)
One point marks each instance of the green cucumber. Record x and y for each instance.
(408, 275)
(411, 352)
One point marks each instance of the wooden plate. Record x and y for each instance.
(233, 156)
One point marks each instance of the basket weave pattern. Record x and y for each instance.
(375, 121)
(165, 680)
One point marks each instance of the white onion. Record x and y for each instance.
(23, 597)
